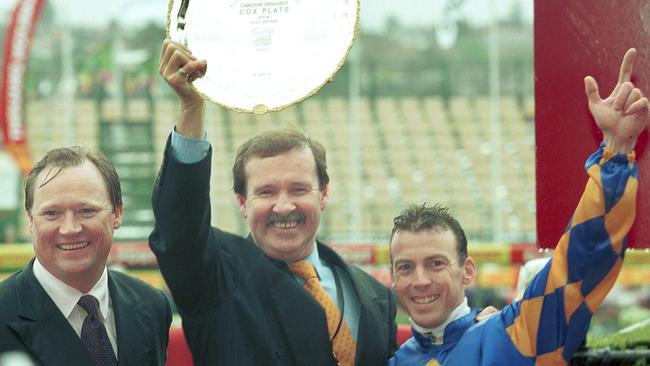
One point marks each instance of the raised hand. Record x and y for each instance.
(623, 115)
(180, 68)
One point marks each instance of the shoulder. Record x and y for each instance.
(408, 353)
(7, 286)
(18, 293)
(361, 276)
(361, 279)
(131, 287)
(8, 295)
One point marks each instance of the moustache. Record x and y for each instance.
(293, 216)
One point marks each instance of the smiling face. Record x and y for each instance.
(72, 222)
(283, 203)
(427, 276)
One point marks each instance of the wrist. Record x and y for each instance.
(617, 146)
(608, 154)
(190, 123)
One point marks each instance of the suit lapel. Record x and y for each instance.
(300, 316)
(132, 331)
(42, 327)
(370, 327)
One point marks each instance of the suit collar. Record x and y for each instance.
(42, 327)
(133, 327)
(359, 286)
(300, 317)
(51, 339)
(294, 314)
(370, 326)
(65, 296)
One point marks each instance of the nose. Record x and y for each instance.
(422, 278)
(284, 204)
(70, 224)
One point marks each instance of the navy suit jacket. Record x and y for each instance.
(31, 323)
(241, 307)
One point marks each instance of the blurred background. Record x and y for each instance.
(435, 103)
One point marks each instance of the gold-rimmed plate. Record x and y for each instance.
(264, 55)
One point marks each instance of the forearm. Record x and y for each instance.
(559, 302)
(182, 227)
(600, 225)
(181, 203)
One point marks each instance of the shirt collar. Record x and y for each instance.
(315, 260)
(436, 334)
(66, 297)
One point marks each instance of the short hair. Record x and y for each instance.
(65, 157)
(417, 218)
(272, 143)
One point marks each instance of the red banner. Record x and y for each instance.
(12, 88)
(574, 39)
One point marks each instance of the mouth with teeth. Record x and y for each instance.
(424, 300)
(73, 246)
(290, 221)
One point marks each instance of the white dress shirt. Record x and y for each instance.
(65, 298)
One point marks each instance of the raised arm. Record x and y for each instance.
(552, 319)
(181, 195)
(180, 68)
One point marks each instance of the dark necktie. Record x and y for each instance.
(93, 333)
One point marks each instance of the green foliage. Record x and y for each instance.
(636, 339)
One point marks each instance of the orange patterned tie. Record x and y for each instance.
(342, 343)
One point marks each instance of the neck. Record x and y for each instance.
(82, 282)
(436, 333)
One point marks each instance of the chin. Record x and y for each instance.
(426, 321)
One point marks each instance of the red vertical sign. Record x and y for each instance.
(575, 38)
(12, 87)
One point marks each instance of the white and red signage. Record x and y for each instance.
(12, 82)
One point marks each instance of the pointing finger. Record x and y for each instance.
(627, 66)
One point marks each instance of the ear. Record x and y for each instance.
(393, 277)
(324, 198)
(469, 273)
(117, 220)
(241, 201)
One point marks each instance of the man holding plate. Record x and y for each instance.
(278, 296)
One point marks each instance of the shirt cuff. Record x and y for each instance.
(189, 150)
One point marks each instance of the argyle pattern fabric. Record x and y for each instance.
(343, 344)
(550, 322)
(94, 335)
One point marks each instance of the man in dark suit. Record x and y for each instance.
(242, 300)
(65, 307)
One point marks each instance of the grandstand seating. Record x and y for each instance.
(411, 149)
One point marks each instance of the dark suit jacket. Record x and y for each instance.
(239, 306)
(31, 323)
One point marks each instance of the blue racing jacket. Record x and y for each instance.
(550, 322)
